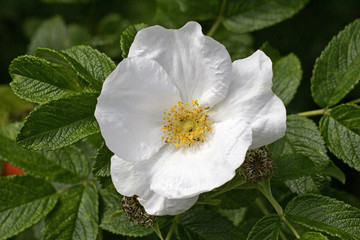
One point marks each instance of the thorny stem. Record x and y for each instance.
(157, 230)
(172, 228)
(218, 20)
(265, 189)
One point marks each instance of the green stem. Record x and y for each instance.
(100, 234)
(315, 112)
(282, 236)
(172, 228)
(264, 210)
(157, 230)
(355, 101)
(265, 189)
(323, 111)
(218, 20)
(226, 189)
(261, 206)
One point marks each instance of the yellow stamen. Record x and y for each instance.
(186, 123)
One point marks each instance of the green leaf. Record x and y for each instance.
(270, 51)
(293, 166)
(37, 80)
(199, 223)
(101, 166)
(302, 137)
(113, 218)
(52, 56)
(287, 77)
(247, 16)
(24, 200)
(313, 236)
(78, 34)
(52, 33)
(287, 73)
(309, 184)
(238, 45)
(108, 34)
(128, 36)
(67, 165)
(237, 181)
(341, 130)
(11, 131)
(344, 196)
(325, 214)
(90, 64)
(75, 216)
(236, 216)
(337, 70)
(10, 103)
(177, 13)
(238, 198)
(59, 123)
(266, 228)
(12, 108)
(333, 171)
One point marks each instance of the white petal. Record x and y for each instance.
(199, 65)
(250, 98)
(158, 205)
(133, 178)
(188, 171)
(130, 108)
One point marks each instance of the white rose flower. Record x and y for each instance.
(180, 117)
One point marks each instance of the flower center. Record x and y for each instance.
(185, 123)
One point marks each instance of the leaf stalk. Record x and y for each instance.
(218, 20)
(172, 228)
(315, 112)
(265, 189)
(157, 230)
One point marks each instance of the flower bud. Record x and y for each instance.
(133, 209)
(257, 165)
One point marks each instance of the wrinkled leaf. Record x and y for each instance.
(247, 16)
(52, 33)
(337, 70)
(302, 140)
(40, 81)
(325, 214)
(316, 183)
(287, 77)
(75, 216)
(24, 200)
(313, 236)
(59, 123)
(101, 166)
(267, 228)
(90, 64)
(128, 36)
(205, 224)
(341, 130)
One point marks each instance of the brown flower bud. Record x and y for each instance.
(257, 165)
(136, 212)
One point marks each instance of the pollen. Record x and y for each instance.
(185, 124)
